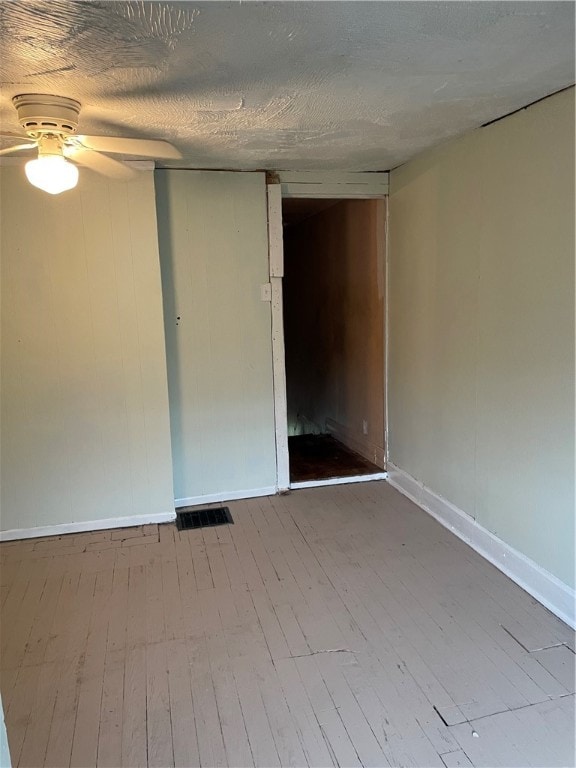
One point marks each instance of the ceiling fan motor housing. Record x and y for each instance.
(40, 113)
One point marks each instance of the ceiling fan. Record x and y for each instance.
(50, 123)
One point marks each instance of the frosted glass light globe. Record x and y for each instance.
(52, 173)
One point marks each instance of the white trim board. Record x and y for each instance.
(61, 529)
(339, 481)
(276, 260)
(275, 236)
(211, 498)
(544, 586)
(333, 184)
(279, 381)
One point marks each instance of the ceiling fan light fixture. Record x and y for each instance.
(51, 122)
(52, 174)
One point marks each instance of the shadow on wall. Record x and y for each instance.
(171, 319)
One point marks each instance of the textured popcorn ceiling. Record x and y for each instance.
(299, 85)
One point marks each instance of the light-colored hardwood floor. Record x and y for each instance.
(331, 626)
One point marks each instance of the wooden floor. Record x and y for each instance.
(321, 457)
(331, 626)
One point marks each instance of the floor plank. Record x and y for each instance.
(329, 626)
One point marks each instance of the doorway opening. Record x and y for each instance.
(334, 339)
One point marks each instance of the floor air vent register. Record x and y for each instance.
(186, 519)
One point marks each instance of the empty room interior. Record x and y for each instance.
(287, 384)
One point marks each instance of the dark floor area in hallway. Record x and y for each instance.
(321, 457)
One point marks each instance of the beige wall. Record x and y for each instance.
(334, 324)
(214, 253)
(481, 389)
(85, 424)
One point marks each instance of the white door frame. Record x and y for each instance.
(311, 184)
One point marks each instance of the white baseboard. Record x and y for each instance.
(339, 480)
(544, 586)
(91, 525)
(357, 442)
(211, 498)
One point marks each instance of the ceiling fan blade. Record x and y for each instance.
(11, 135)
(17, 148)
(141, 147)
(100, 163)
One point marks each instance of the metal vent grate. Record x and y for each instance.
(202, 518)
